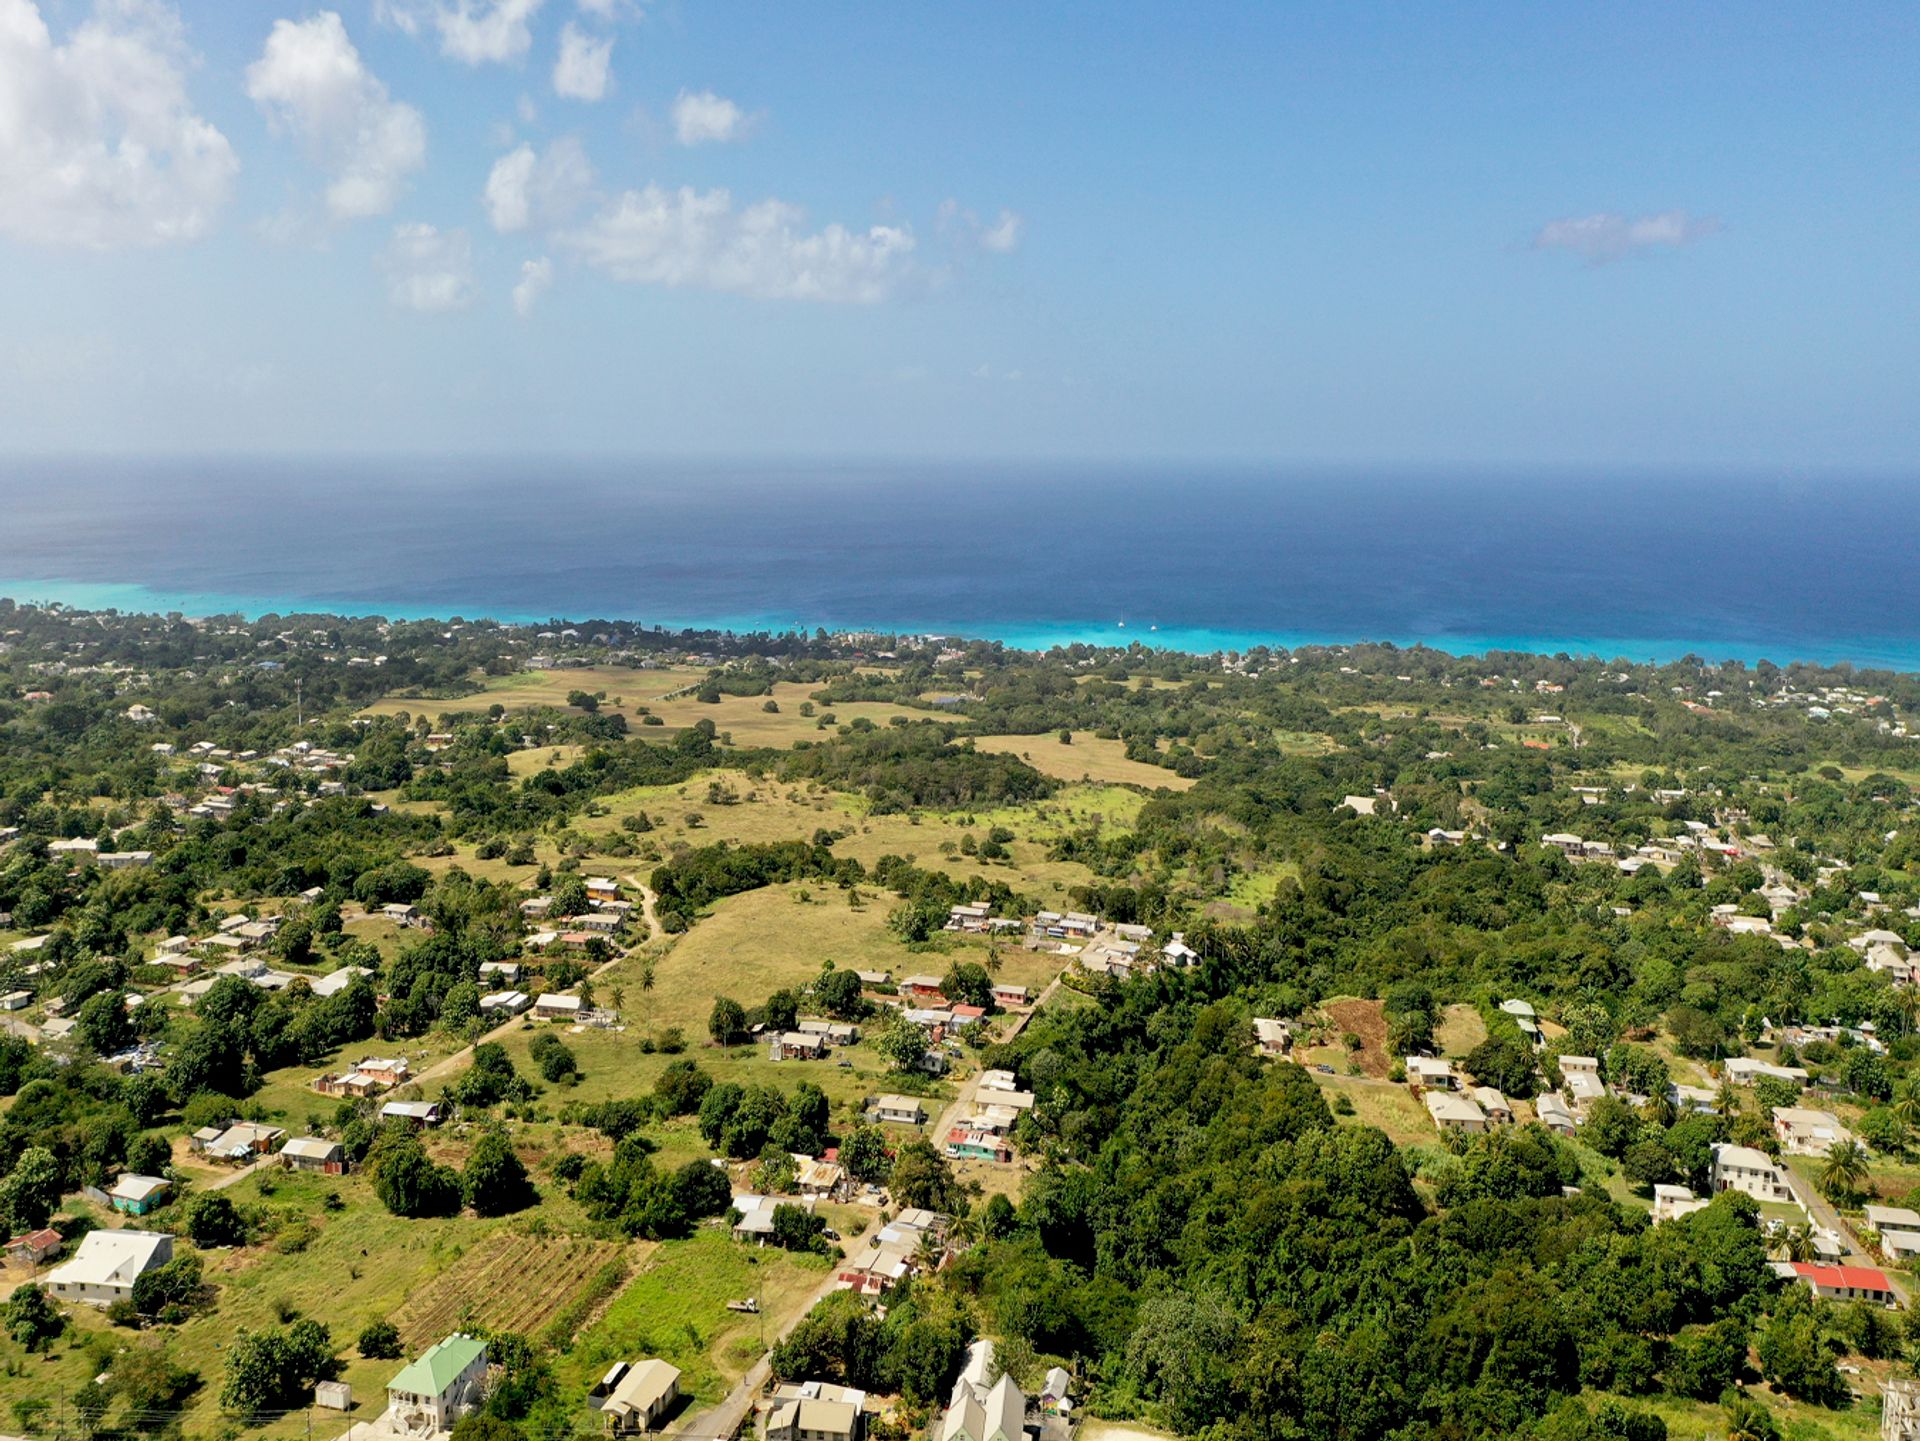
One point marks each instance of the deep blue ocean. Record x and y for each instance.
(1637, 566)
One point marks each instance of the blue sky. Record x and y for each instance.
(1456, 234)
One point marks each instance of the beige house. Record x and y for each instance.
(899, 1110)
(1270, 1037)
(816, 1411)
(1670, 1203)
(1806, 1132)
(1499, 1111)
(1452, 1111)
(639, 1395)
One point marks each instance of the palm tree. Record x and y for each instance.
(929, 1251)
(1906, 1104)
(1726, 1100)
(1845, 1173)
(619, 997)
(1748, 1420)
(1796, 1243)
(1906, 1000)
(964, 1231)
(646, 979)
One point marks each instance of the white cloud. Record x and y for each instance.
(1003, 236)
(429, 270)
(684, 238)
(581, 72)
(706, 117)
(508, 206)
(1604, 237)
(478, 32)
(536, 276)
(99, 144)
(311, 82)
(526, 187)
(965, 230)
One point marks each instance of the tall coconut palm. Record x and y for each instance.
(929, 1252)
(1906, 1104)
(1795, 1243)
(1726, 1100)
(1906, 1002)
(1845, 1173)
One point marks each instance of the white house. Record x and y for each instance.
(1745, 1070)
(1431, 1074)
(997, 1414)
(107, 1264)
(1741, 1168)
(1270, 1037)
(1554, 1113)
(1670, 1203)
(430, 1394)
(1806, 1132)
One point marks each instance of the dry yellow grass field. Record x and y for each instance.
(1387, 1108)
(1089, 758)
(769, 810)
(634, 693)
(1459, 1031)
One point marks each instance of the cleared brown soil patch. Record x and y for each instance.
(1363, 1019)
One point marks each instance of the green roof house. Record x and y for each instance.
(430, 1394)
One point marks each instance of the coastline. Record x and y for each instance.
(1872, 653)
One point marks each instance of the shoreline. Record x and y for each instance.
(1878, 653)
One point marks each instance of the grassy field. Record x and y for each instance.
(728, 805)
(1089, 759)
(287, 1095)
(1702, 1421)
(757, 942)
(676, 1309)
(636, 693)
(613, 1066)
(1459, 1031)
(361, 1264)
(1388, 1108)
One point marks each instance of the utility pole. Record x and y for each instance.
(299, 719)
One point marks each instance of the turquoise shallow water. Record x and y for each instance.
(1639, 567)
(1199, 640)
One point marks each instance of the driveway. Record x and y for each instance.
(1828, 1219)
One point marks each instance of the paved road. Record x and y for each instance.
(962, 1104)
(233, 1178)
(445, 1067)
(1828, 1219)
(737, 1407)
